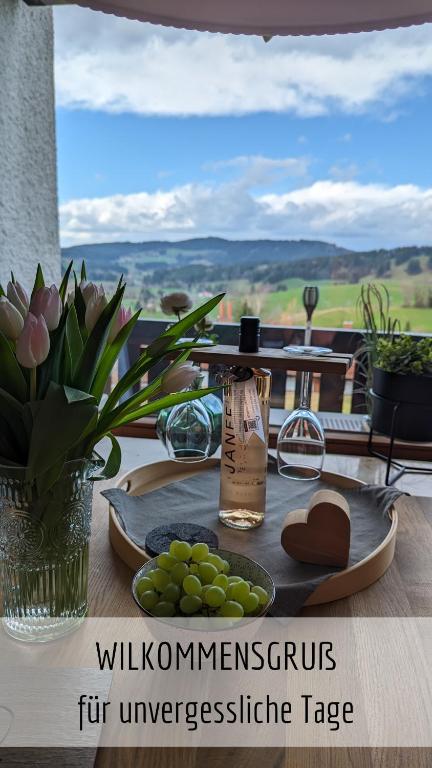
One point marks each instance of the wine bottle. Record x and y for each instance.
(245, 437)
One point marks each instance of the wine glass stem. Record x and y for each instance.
(305, 390)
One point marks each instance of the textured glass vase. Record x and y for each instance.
(44, 542)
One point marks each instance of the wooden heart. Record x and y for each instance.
(321, 533)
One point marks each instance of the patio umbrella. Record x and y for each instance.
(266, 17)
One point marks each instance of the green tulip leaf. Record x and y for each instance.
(12, 379)
(73, 338)
(110, 355)
(58, 425)
(95, 345)
(39, 280)
(64, 283)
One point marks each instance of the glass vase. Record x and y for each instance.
(44, 546)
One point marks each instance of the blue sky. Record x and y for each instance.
(164, 133)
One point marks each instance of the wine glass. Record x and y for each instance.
(301, 441)
(188, 432)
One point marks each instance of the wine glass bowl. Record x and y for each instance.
(188, 432)
(301, 446)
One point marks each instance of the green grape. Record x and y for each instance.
(229, 592)
(193, 568)
(166, 561)
(226, 566)
(216, 561)
(172, 547)
(199, 552)
(221, 581)
(241, 591)
(179, 572)
(262, 595)
(190, 604)
(234, 579)
(250, 583)
(149, 599)
(171, 593)
(231, 609)
(143, 585)
(251, 603)
(164, 609)
(160, 579)
(182, 550)
(214, 597)
(207, 572)
(192, 585)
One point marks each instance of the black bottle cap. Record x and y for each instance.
(249, 334)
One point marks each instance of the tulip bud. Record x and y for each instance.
(18, 297)
(180, 377)
(95, 307)
(123, 317)
(47, 302)
(90, 291)
(33, 344)
(11, 322)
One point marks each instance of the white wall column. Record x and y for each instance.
(28, 177)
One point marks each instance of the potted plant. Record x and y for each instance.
(402, 373)
(57, 351)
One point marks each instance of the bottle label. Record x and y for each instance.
(246, 411)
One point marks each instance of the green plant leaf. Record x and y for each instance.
(73, 338)
(2, 291)
(167, 341)
(15, 433)
(113, 462)
(163, 402)
(80, 308)
(136, 400)
(83, 271)
(95, 345)
(64, 283)
(39, 280)
(110, 355)
(58, 425)
(12, 379)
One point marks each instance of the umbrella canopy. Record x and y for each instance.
(267, 17)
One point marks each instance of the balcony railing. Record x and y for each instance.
(340, 400)
(331, 393)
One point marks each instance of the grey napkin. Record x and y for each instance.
(195, 500)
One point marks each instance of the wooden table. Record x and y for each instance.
(405, 590)
(275, 359)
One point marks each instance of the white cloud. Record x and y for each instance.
(116, 65)
(352, 214)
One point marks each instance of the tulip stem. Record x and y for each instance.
(32, 384)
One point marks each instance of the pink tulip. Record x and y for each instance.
(123, 317)
(180, 377)
(90, 291)
(33, 344)
(11, 322)
(18, 297)
(95, 307)
(47, 302)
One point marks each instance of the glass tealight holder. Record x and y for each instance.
(188, 432)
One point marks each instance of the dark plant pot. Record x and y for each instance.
(414, 416)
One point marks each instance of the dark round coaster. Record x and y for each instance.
(159, 539)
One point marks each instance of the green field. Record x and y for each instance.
(337, 307)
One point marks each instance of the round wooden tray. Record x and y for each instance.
(145, 479)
